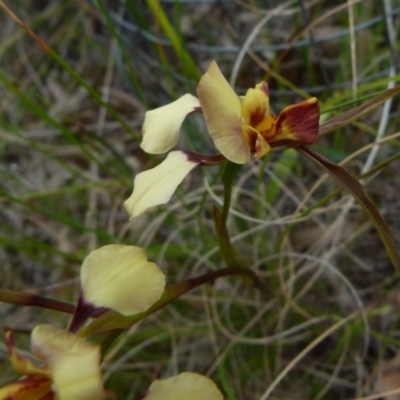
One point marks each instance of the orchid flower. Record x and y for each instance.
(241, 128)
(71, 368)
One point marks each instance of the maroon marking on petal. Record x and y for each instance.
(264, 88)
(250, 136)
(284, 144)
(257, 116)
(33, 382)
(196, 109)
(204, 160)
(83, 311)
(299, 120)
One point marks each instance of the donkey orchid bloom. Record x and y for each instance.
(187, 385)
(241, 128)
(71, 371)
(121, 278)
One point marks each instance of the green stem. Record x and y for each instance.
(227, 204)
(229, 174)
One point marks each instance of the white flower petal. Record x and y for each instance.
(120, 277)
(185, 386)
(161, 126)
(74, 363)
(157, 185)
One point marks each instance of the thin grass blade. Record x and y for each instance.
(356, 189)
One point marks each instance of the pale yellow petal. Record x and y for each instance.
(185, 386)
(161, 126)
(120, 277)
(157, 185)
(74, 363)
(222, 111)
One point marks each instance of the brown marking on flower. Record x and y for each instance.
(263, 86)
(299, 122)
(204, 159)
(262, 147)
(267, 128)
(257, 116)
(38, 385)
(250, 136)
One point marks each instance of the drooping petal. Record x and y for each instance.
(157, 185)
(255, 105)
(74, 363)
(185, 386)
(120, 277)
(222, 112)
(161, 126)
(298, 122)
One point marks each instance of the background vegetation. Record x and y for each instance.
(70, 124)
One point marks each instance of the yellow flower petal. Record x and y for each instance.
(222, 111)
(262, 147)
(298, 122)
(120, 277)
(74, 363)
(255, 105)
(21, 364)
(185, 386)
(157, 185)
(161, 126)
(256, 143)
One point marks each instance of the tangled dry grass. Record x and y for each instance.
(329, 324)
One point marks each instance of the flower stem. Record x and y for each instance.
(229, 173)
(33, 300)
